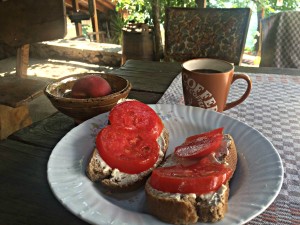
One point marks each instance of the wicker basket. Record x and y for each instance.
(83, 109)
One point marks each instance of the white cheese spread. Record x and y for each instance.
(212, 198)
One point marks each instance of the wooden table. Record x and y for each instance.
(25, 194)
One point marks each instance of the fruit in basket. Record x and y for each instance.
(91, 86)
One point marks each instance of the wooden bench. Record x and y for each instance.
(23, 23)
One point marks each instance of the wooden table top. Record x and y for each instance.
(25, 195)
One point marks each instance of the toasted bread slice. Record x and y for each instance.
(98, 171)
(191, 208)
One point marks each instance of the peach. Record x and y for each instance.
(90, 86)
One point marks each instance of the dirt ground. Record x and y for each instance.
(50, 68)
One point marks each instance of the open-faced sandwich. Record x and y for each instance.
(193, 183)
(127, 150)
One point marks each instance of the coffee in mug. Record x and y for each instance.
(206, 83)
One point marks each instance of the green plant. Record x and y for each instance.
(86, 29)
(270, 6)
(139, 11)
(116, 24)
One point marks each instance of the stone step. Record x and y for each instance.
(103, 54)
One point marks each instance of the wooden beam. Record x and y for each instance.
(83, 4)
(106, 4)
(68, 4)
(22, 61)
(101, 8)
(101, 5)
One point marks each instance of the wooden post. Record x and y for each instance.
(22, 61)
(258, 44)
(260, 15)
(78, 25)
(94, 18)
(201, 3)
(158, 50)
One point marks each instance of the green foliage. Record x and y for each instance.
(86, 29)
(116, 24)
(138, 10)
(270, 6)
(287, 5)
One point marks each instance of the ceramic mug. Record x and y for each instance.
(206, 83)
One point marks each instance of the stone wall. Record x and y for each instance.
(6, 51)
(97, 53)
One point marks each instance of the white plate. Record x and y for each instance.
(255, 185)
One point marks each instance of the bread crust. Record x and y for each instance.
(191, 208)
(96, 172)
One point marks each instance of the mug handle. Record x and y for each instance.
(245, 95)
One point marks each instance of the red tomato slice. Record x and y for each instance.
(206, 134)
(200, 178)
(200, 145)
(136, 115)
(129, 151)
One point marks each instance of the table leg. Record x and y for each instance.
(94, 18)
(22, 61)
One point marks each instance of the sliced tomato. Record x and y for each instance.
(200, 148)
(200, 178)
(200, 145)
(136, 115)
(206, 134)
(129, 151)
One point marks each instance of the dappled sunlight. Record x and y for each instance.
(51, 68)
(84, 45)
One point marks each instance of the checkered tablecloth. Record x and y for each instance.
(273, 108)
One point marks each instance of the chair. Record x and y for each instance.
(206, 32)
(77, 15)
(281, 40)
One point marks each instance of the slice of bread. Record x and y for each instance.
(191, 208)
(98, 171)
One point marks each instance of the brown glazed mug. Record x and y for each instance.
(206, 83)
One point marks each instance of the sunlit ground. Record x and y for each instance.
(51, 68)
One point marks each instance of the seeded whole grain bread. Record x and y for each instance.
(191, 208)
(99, 172)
